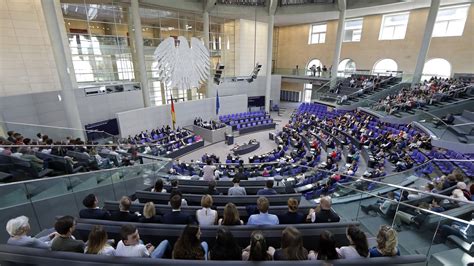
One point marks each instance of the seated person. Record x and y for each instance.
(263, 217)
(258, 250)
(188, 246)
(291, 246)
(149, 214)
(358, 248)
(18, 229)
(447, 119)
(268, 190)
(211, 189)
(323, 213)
(124, 215)
(387, 243)
(292, 216)
(236, 190)
(176, 216)
(65, 226)
(93, 211)
(130, 245)
(380, 208)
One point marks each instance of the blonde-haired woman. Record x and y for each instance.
(97, 242)
(149, 214)
(18, 229)
(387, 243)
(206, 216)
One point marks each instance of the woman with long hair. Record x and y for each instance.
(158, 187)
(231, 215)
(97, 242)
(291, 246)
(258, 249)
(327, 247)
(225, 247)
(358, 248)
(387, 242)
(188, 245)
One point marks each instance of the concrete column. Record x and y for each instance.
(338, 45)
(63, 59)
(137, 24)
(205, 19)
(131, 40)
(425, 43)
(268, 87)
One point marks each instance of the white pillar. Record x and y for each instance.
(338, 45)
(205, 19)
(137, 24)
(268, 88)
(425, 43)
(63, 59)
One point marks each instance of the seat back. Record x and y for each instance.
(219, 200)
(15, 255)
(155, 233)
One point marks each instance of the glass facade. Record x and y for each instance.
(101, 42)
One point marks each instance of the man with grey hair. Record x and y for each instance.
(18, 229)
(323, 212)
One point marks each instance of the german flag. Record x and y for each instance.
(173, 113)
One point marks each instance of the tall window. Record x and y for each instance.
(316, 63)
(450, 21)
(353, 30)
(308, 91)
(438, 67)
(346, 67)
(394, 26)
(385, 65)
(317, 33)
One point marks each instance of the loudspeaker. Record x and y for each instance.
(218, 74)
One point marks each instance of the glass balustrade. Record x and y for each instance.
(57, 133)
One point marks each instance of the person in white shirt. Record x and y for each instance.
(358, 248)
(130, 245)
(206, 216)
(208, 171)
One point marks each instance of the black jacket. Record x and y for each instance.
(177, 217)
(94, 214)
(123, 216)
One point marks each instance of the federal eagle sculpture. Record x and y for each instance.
(181, 66)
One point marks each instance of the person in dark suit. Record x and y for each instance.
(268, 190)
(176, 216)
(325, 214)
(124, 214)
(211, 189)
(92, 210)
(292, 216)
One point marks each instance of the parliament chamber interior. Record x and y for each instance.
(236, 132)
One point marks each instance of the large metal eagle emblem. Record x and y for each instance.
(180, 65)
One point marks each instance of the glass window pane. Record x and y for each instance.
(314, 38)
(455, 28)
(399, 32)
(322, 37)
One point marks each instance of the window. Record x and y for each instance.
(316, 63)
(346, 68)
(394, 26)
(317, 34)
(353, 30)
(450, 21)
(308, 90)
(385, 65)
(438, 67)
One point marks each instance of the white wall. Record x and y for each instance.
(103, 107)
(27, 61)
(247, 45)
(132, 122)
(276, 88)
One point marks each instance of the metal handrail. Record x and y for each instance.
(411, 206)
